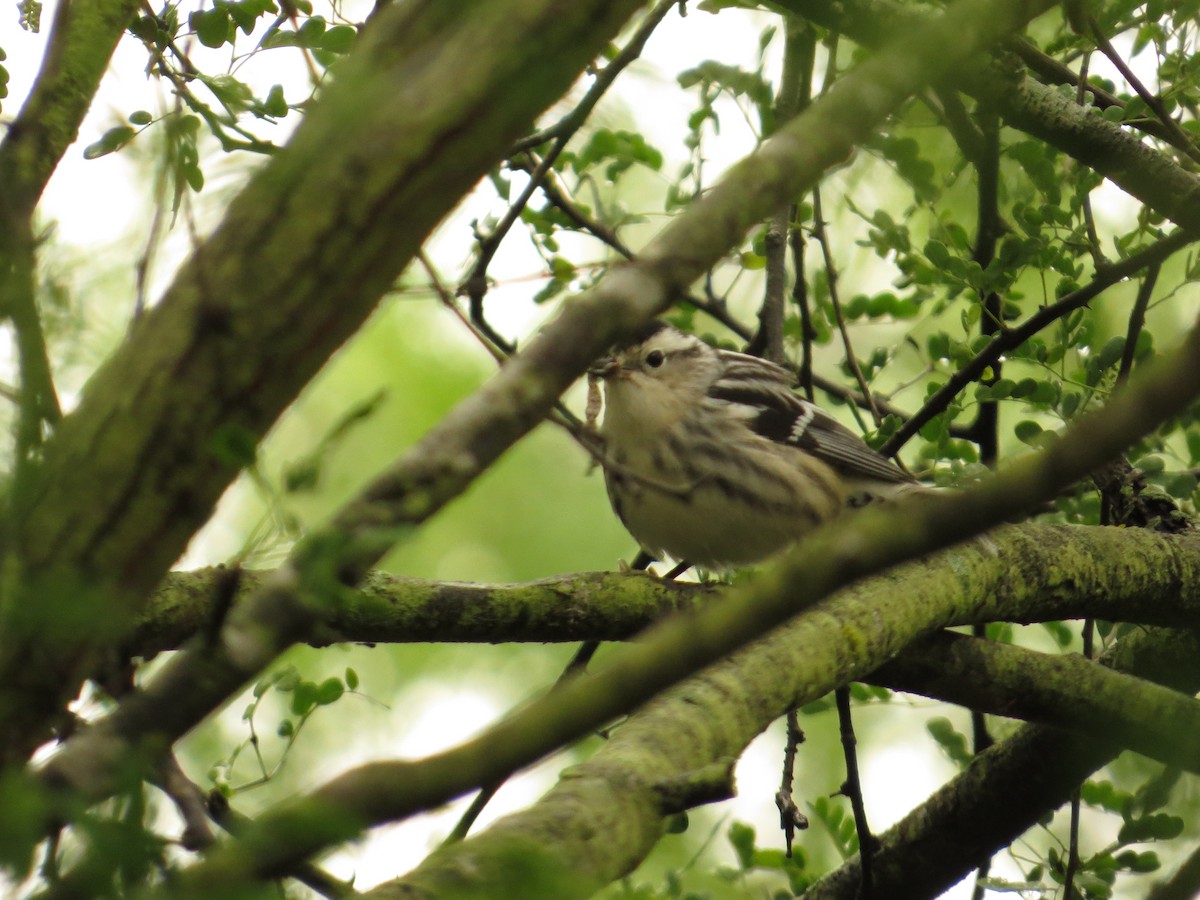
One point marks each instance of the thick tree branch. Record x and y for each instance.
(1150, 176)
(304, 252)
(81, 43)
(834, 556)
(385, 608)
(326, 564)
(1141, 570)
(1064, 691)
(1006, 789)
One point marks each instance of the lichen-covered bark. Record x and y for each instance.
(478, 430)
(433, 95)
(713, 716)
(386, 608)
(1054, 572)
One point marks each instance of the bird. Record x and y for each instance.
(711, 458)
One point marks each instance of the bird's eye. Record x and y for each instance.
(655, 358)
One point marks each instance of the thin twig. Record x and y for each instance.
(797, 60)
(1179, 138)
(572, 121)
(557, 196)
(790, 817)
(1137, 318)
(822, 237)
(1089, 220)
(853, 789)
(1011, 338)
(475, 285)
(189, 800)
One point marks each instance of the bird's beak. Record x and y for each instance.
(605, 367)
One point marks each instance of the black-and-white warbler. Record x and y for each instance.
(712, 458)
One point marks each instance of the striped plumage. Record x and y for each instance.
(713, 459)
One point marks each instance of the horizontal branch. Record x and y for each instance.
(842, 637)
(1063, 691)
(1052, 572)
(385, 608)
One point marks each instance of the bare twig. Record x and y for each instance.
(852, 788)
(822, 237)
(798, 57)
(790, 817)
(1137, 318)
(475, 285)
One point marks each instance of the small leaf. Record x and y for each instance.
(112, 140)
(275, 105)
(741, 837)
(330, 691)
(339, 39)
(1027, 432)
(211, 26)
(304, 698)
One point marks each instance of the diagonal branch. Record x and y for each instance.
(474, 434)
(305, 251)
(1150, 176)
(831, 558)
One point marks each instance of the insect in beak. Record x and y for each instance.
(604, 367)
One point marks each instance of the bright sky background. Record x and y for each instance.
(100, 208)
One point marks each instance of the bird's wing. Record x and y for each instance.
(784, 417)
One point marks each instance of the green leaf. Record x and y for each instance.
(1158, 827)
(275, 105)
(1024, 388)
(304, 698)
(339, 39)
(1105, 795)
(141, 117)
(112, 140)
(1138, 862)
(1060, 632)
(351, 679)
(1150, 465)
(1111, 353)
(212, 26)
(329, 691)
(1027, 432)
(1003, 389)
(741, 837)
(949, 739)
